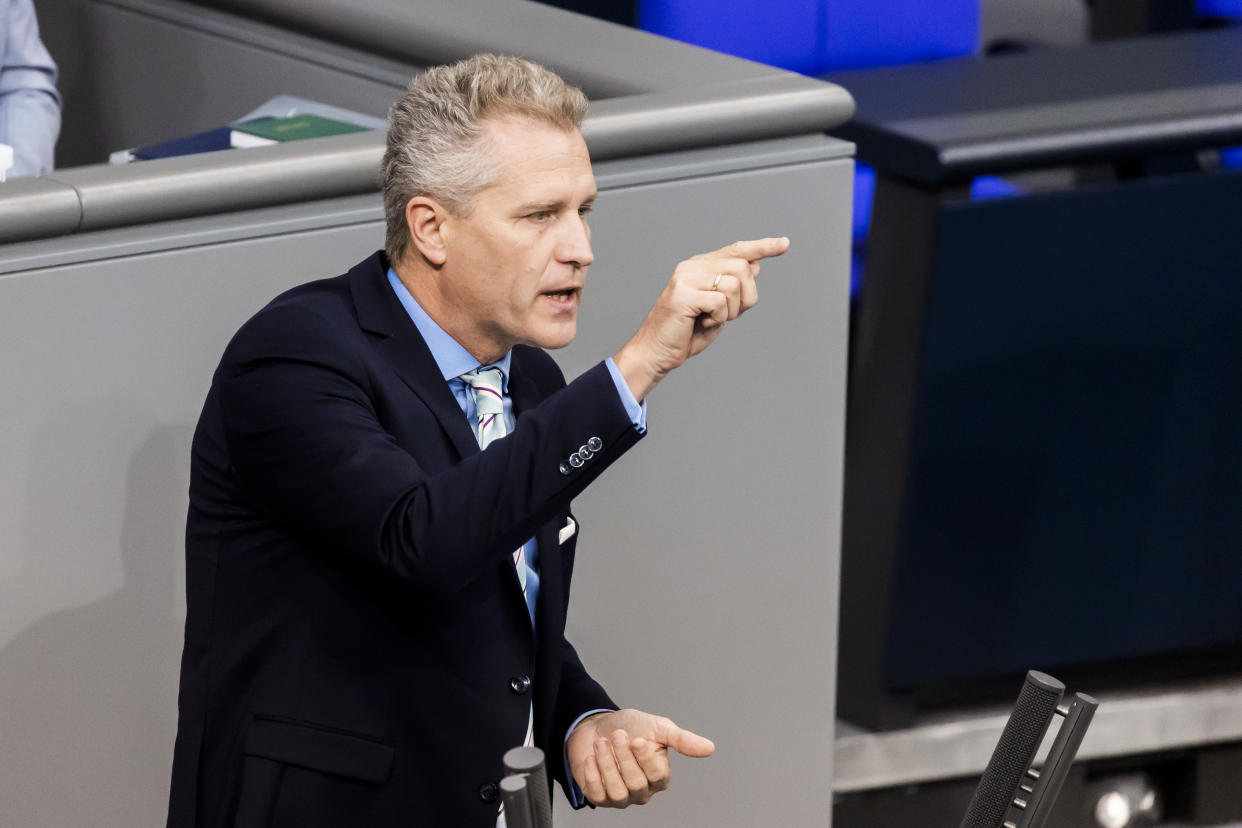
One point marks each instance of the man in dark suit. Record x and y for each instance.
(379, 543)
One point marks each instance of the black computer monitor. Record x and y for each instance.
(1060, 484)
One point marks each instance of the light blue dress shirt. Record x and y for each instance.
(453, 360)
(29, 102)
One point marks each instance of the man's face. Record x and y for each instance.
(515, 266)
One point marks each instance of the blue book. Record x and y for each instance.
(219, 138)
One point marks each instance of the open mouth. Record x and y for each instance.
(562, 296)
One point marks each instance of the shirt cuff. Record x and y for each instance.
(576, 798)
(636, 410)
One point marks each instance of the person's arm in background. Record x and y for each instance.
(29, 101)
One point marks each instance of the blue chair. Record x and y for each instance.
(818, 36)
(1219, 8)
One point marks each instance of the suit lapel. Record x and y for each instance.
(403, 348)
(526, 395)
(551, 590)
(380, 312)
(522, 388)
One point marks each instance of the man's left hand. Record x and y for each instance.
(621, 758)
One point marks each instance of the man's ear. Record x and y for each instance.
(424, 217)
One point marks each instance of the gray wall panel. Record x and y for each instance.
(706, 585)
(108, 360)
(105, 367)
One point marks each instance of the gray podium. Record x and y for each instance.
(706, 583)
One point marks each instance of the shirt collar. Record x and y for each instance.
(451, 358)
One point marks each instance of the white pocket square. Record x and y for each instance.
(568, 530)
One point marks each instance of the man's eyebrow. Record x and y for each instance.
(541, 206)
(553, 206)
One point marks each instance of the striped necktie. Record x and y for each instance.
(486, 386)
(489, 404)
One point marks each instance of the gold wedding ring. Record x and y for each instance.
(716, 282)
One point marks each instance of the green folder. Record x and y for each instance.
(297, 127)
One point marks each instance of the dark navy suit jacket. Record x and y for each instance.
(357, 649)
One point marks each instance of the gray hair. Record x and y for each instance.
(435, 132)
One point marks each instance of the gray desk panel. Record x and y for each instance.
(142, 239)
(946, 121)
(1125, 725)
(1048, 75)
(1132, 109)
(105, 366)
(711, 593)
(112, 353)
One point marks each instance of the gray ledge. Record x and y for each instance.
(1125, 724)
(32, 208)
(775, 106)
(95, 197)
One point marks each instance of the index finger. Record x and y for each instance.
(752, 250)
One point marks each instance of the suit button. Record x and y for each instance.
(520, 684)
(575, 460)
(585, 453)
(565, 469)
(595, 444)
(488, 791)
